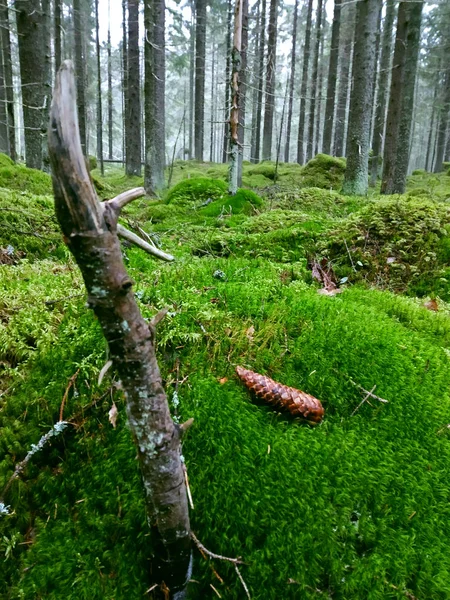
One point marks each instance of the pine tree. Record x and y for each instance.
(291, 83)
(200, 59)
(99, 93)
(110, 93)
(304, 86)
(332, 78)
(269, 108)
(8, 77)
(314, 81)
(356, 173)
(133, 158)
(80, 71)
(261, 52)
(401, 98)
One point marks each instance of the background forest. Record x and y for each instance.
(296, 163)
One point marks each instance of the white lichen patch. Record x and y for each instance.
(125, 326)
(98, 291)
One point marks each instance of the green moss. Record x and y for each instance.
(6, 161)
(244, 201)
(419, 172)
(197, 190)
(324, 171)
(21, 178)
(92, 161)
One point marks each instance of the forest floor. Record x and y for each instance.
(319, 291)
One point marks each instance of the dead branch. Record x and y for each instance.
(128, 235)
(125, 198)
(200, 546)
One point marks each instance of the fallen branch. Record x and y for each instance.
(126, 234)
(66, 393)
(370, 394)
(200, 546)
(364, 400)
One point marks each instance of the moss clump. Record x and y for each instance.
(196, 190)
(5, 160)
(419, 172)
(19, 177)
(243, 202)
(398, 242)
(265, 168)
(92, 162)
(324, 171)
(315, 201)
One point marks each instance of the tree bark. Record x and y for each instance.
(226, 128)
(243, 88)
(356, 173)
(99, 93)
(4, 143)
(314, 79)
(133, 116)
(291, 84)
(442, 134)
(29, 29)
(304, 87)
(155, 77)
(255, 81)
(8, 77)
(345, 63)
(401, 99)
(269, 108)
(200, 55)
(79, 68)
(319, 93)
(236, 62)
(262, 33)
(57, 33)
(383, 82)
(90, 230)
(191, 80)
(332, 79)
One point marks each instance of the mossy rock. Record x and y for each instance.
(243, 202)
(196, 190)
(324, 171)
(19, 177)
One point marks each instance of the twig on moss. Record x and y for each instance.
(371, 394)
(350, 256)
(363, 400)
(188, 488)
(244, 585)
(200, 546)
(66, 393)
(53, 302)
(214, 589)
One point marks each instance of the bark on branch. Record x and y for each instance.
(90, 231)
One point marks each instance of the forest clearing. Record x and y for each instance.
(225, 378)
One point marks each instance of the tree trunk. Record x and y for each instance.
(90, 229)
(29, 29)
(57, 33)
(262, 45)
(99, 93)
(401, 100)
(211, 122)
(200, 55)
(110, 94)
(125, 118)
(332, 78)
(242, 88)
(155, 78)
(4, 143)
(444, 123)
(356, 173)
(312, 104)
(8, 76)
(79, 69)
(345, 53)
(191, 80)
(236, 62)
(226, 128)
(304, 86)
(291, 86)
(319, 93)
(255, 81)
(133, 116)
(269, 108)
(383, 82)
(375, 76)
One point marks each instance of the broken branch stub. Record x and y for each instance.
(90, 231)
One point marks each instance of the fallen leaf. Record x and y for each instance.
(113, 414)
(432, 305)
(223, 380)
(250, 333)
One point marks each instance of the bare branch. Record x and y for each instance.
(126, 234)
(201, 547)
(125, 198)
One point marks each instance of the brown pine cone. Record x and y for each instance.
(280, 396)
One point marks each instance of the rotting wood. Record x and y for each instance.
(90, 231)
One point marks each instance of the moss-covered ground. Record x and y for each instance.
(355, 508)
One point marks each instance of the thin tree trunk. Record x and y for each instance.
(4, 142)
(375, 76)
(428, 166)
(356, 173)
(79, 68)
(191, 80)
(155, 77)
(200, 55)
(383, 82)
(99, 94)
(261, 52)
(91, 234)
(125, 116)
(319, 94)
(442, 130)
(234, 114)
(29, 29)
(269, 108)
(345, 54)
(401, 100)
(332, 78)
(110, 94)
(291, 86)
(133, 117)
(211, 131)
(8, 75)
(255, 81)
(57, 33)
(304, 87)
(226, 128)
(242, 88)
(314, 79)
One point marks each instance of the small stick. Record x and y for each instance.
(137, 241)
(371, 395)
(159, 317)
(200, 546)
(242, 581)
(362, 402)
(186, 478)
(350, 256)
(52, 302)
(66, 393)
(215, 590)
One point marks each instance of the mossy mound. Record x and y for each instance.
(398, 242)
(265, 168)
(324, 171)
(21, 178)
(318, 201)
(6, 161)
(243, 202)
(196, 190)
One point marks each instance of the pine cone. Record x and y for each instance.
(280, 396)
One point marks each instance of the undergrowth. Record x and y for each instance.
(354, 508)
